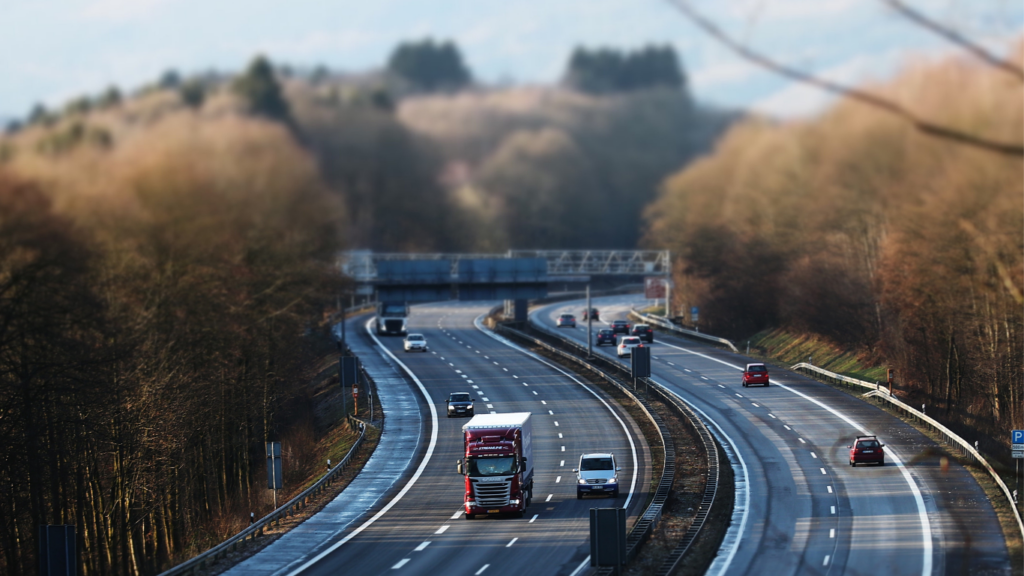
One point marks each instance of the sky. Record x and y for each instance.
(54, 50)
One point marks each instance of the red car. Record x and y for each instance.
(867, 449)
(755, 374)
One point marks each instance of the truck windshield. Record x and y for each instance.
(394, 310)
(493, 466)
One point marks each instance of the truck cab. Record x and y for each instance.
(498, 464)
(391, 318)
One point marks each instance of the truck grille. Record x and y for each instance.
(598, 480)
(393, 325)
(491, 494)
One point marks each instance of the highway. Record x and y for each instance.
(423, 531)
(801, 508)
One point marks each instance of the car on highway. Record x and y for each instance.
(592, 313)
(459, 404)
(606, 336)
(620, 326)
(415, 342)
(627, 344)
(566, 320)
(867, 449)
(597, 474)
(643, 332)
(755, 374)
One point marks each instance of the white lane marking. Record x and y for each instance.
(442, 358)
(629, 437)
(813, 455)
(481, 570)
(434, 353)
(687, 369)
(740, 395)
(801, 440)
(584, 564)
(558, 479)
(486, 357)
(922, 512)
(823, 471)
(463, 375)
(475, 386)
(509, 545)
(832, 533)
(477, 351)
(505, 369)
(408, 485)
(562, 463)
(720, 386)
(490, 405)
(703, 377)
(494, 412)
(469, 347)
(772, 415)
(563, 448)
(669, 363)
(470, 381)
(829, 489)
(525, 384)
(559, 434)
(461, 342)
(486, 399)
(825, 563)
(495, 363)
(458, 371)
(457, 515)
(514, 376)
(400, 563)
(655, 357)
(421, 547)
(544, 402)
(535, 393)
(534, 518)
(556, 422)
(833, 509)
(452, 365)
(551, 412)
(786, 427)
(442, 529)
(755, 405)
(548, 499)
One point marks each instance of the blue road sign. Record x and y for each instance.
(1017, 437)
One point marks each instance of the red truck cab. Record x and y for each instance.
(498, 464)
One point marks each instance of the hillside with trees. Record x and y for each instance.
(857, 228)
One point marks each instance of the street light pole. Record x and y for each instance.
(590, 321)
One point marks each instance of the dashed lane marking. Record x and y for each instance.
(421, 547)
(548, 499)
(481, 570)
(442, 529)
(534, 518)
(400, 563)
(509, 545)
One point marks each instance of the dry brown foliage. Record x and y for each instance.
(857, 227)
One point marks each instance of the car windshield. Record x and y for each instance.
(493, 466)
(596, 464)
(415, 337)
(459, 398)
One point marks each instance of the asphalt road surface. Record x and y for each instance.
(801, 508)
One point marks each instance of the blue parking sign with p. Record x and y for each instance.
(1018, 437)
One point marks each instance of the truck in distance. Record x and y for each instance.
(391, 318)
(498, 464)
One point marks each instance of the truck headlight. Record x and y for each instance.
(514, 502)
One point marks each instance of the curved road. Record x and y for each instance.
(425, 532)
(809, 511)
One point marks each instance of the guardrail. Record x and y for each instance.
(662, 322)
(964, 446)
(256, 529)
(648, 521)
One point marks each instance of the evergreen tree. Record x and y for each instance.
(429, 65)
(607, 70)
(259, 88)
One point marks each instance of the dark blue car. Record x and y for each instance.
(606, 336)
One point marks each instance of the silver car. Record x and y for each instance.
(597, 474)
(415, 342)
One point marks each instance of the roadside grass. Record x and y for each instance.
(785, 347)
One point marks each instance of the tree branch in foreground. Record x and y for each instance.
(922, 125)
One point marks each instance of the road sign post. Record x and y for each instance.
(1017, 449)
(274, 470)
(355, 400)
(590, 324)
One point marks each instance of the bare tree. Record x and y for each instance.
(924, 126)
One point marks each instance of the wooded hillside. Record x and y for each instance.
(855, 227)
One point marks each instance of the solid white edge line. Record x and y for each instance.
(584, 564)
(632, 446)
(408, 485)
(922, 512)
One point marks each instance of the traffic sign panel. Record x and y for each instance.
(1017, 437)
(1018, 453)
(1016, 446)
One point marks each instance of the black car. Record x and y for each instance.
(606, 336)
(593, 313)
(644, 332)
(620, 326)
(459, 404)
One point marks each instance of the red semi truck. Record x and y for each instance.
(498, 465)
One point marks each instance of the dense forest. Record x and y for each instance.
(167, 262)
(857, 228)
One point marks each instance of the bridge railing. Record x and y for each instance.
(662, 322)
